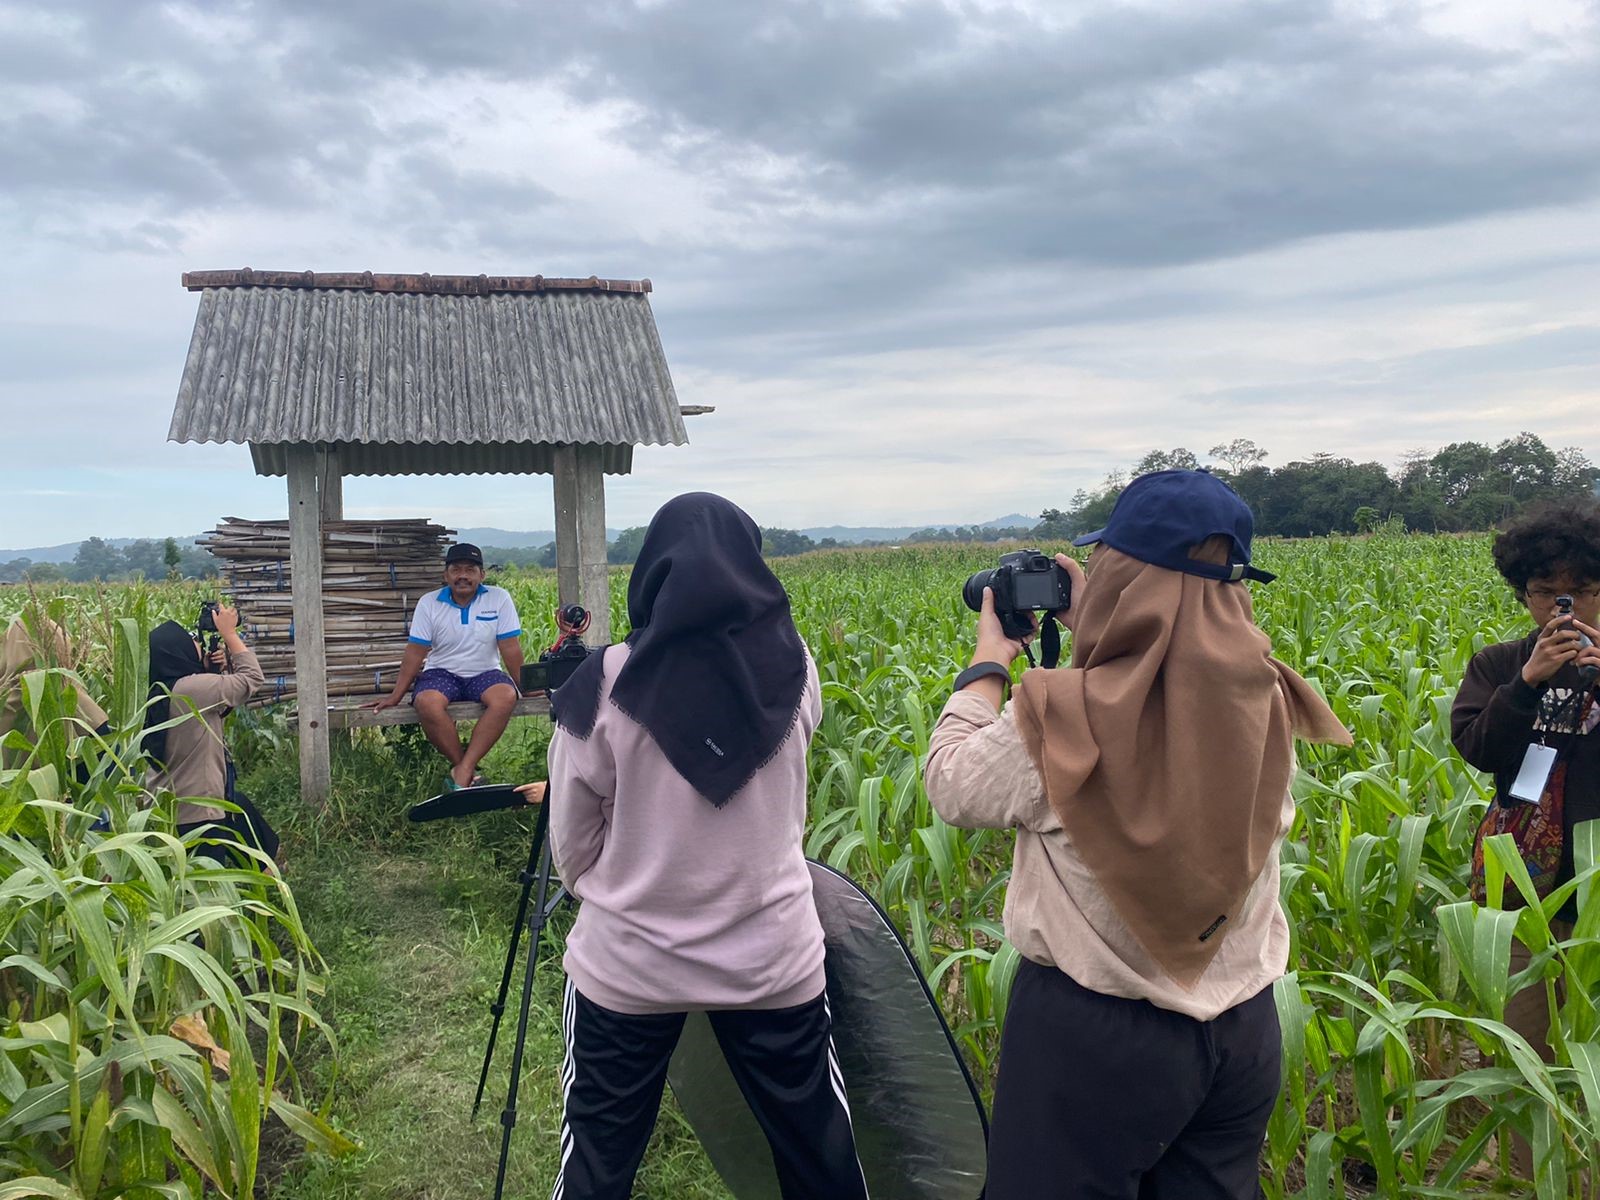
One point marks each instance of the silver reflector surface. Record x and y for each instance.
(920, 1128)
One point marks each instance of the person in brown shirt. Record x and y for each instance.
(1541, 688)
(25, 649)
(189, 701)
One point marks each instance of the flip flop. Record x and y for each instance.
(450, 784)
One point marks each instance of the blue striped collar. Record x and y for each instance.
(445, 596)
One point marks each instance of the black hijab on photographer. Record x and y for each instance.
(716, 668)
(173, 656)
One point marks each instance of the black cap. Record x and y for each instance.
(464, 552)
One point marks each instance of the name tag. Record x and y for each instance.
(1537, 764)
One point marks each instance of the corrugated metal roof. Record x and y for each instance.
(407, 383)
(492, 458)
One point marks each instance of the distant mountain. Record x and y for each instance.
(516, 539)
(67, 551)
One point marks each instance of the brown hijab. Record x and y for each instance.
(1166, 749)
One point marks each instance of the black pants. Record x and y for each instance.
(248, 825)
(782, 1059)
(1104, 1098)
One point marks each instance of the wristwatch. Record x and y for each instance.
(983, 670)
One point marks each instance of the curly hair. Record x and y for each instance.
(1549, 538)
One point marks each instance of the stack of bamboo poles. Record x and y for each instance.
(373, 574)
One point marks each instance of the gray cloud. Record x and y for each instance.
(834, 199)
(1126, 137)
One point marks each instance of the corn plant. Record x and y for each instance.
(1399, 1067)
(151, 1003)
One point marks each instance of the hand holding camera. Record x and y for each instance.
(221, 622)
(1007, 598)
(1565, 639)
(1025, 582)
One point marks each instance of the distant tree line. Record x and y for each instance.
(1464, 486)
(624, 549)
(146, 558)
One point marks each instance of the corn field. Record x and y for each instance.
(1400, 1078)
(153, 1001)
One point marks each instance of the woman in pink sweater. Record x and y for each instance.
(678, 805)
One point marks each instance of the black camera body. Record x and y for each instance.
(1564, 609)
(1025, 582)
(206, 623)
(554, 667)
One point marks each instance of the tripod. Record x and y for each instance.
(537, 872)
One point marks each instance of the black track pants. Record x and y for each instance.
(783, 1060)
(1104, 1098)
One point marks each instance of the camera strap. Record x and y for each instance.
(1050, 642)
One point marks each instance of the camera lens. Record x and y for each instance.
(972, 590)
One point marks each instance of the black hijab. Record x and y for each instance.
(716, 667)
(173, 656)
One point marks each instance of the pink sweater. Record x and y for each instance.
(685, 906)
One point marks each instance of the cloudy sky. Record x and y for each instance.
(931, 259)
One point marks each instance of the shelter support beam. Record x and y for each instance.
(330, 486)
(580, 504)
(310, 656)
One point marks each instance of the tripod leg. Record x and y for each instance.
(536, 921)
(536, 852)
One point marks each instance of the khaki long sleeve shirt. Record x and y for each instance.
(979, 776)
(197, 760)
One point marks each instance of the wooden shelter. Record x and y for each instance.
(325, 375)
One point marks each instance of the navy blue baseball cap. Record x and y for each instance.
(1160, 516)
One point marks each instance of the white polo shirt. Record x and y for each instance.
(467, 640)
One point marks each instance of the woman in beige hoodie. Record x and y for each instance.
(1149, 786)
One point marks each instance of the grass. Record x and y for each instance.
(413, 921)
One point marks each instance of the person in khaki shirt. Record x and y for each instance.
(25, 649)
(1149, 786)
(189, 701)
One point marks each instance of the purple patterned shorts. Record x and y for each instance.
(455, 687)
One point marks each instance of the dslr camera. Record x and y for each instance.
(1025, 582)
(206, 623)
(556, 665)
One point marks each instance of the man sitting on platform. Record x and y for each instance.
(459, 636)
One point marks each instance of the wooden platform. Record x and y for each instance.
(351, 716)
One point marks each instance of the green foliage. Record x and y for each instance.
(1396, 1056)
(780, 543)
(1463, 486)
(626, 548)
(152, 1004)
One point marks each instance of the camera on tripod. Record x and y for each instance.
(556, 665)
(1025, 582)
